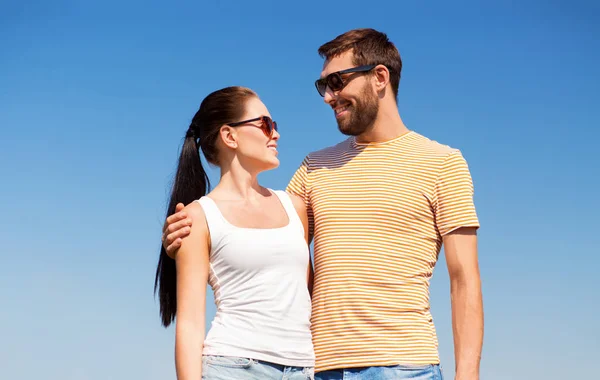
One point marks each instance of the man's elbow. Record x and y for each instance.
(461, 278)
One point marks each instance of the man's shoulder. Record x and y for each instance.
(431, 147)
(332, 151)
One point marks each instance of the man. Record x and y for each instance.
(381, 204)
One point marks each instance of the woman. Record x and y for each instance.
(248, 242)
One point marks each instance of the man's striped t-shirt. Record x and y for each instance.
(378, 212)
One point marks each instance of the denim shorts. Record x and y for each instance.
(233, 368)
(416, 372)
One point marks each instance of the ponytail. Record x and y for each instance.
(191, 183)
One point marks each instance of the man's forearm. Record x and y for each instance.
(467, 325)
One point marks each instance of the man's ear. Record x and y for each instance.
(382, 77)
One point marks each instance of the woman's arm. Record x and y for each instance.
(300, 207)
(192, 277)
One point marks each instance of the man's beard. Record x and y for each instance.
(362, 114)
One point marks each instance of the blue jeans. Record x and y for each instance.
(233, 368)
(416, 372)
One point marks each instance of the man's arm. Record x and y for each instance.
(460, 247)
(297, 188)
(300, 207)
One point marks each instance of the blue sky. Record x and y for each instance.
(95, 100)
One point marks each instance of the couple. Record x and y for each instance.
(379, 206)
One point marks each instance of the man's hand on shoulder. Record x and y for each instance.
(176, 227)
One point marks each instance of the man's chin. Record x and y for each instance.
(347, 130)
(344, 127)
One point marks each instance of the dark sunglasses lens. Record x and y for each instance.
(267, 126)
(321, 85)
(334, 81)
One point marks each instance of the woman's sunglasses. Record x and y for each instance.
(267, 125)
(335, 81)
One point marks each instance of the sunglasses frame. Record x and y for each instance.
(268, 125)
(338, 74)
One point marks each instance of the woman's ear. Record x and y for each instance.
(229, 136)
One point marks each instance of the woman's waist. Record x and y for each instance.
(293, 321)
(285, 340)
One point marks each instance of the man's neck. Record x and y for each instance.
(387, 126)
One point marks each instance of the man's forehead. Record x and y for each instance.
(337, 63)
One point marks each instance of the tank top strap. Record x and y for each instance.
(217, 225)
(288, 205)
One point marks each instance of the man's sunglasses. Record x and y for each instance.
(335, 81)
(266, 125)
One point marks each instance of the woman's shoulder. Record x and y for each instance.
(195, 211)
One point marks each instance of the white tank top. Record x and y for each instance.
(258, 277)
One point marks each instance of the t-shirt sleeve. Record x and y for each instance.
(453, 202)
(299, 185)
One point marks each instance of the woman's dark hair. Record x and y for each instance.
(191, 181)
